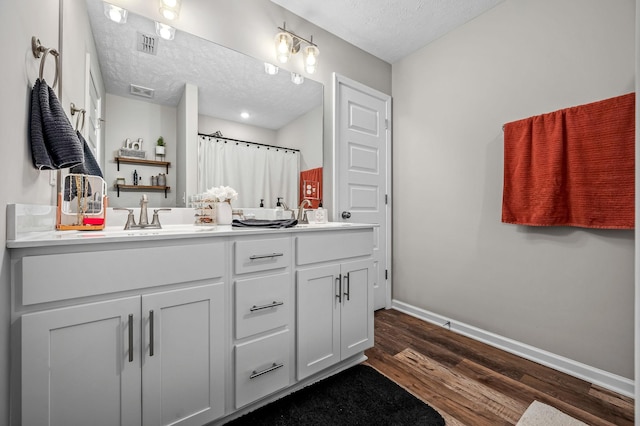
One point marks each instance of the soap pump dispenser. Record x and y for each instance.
(321, 214)
(279, 209)
(261, 202)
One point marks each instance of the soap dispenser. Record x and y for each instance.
(261, 202)
(279, 209)
(321, 214)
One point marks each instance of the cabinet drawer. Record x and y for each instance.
(328, 246)
(261, 304)
(51, 277)
(262, 367)
(262, 255)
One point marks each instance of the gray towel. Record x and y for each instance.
(54, 142)
(88, 167)
(259, 223)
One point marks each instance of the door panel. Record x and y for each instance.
(363, 169)
(183, 378)
(79, 365)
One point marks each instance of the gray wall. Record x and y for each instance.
(569, 291)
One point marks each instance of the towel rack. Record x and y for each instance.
(81, 112)
(40, 51)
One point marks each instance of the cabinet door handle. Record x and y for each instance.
(265, 256)
(339, 285)
(151, 333)
(130, 337)
(255, 373)
(270, 305)
(347, 285)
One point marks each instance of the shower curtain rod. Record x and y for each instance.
(252, 143)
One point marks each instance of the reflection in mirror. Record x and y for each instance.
(178, 88)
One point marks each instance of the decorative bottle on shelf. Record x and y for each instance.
(135, 177)
(162, 179)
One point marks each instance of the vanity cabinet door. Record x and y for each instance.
(335, 314)
(318, 319)
(80, 365)
(356, 313)
(183, 356)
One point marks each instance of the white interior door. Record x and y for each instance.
(362, 182)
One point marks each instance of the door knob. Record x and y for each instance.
(346, 215)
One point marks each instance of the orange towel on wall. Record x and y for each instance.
(572, 167)
(311, 186)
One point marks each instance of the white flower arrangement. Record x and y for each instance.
(221, 193)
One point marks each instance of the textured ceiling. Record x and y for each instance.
(388, 29)
(228, 82)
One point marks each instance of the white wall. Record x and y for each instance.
(21, 182)
(234, 130)
(303, 134)
(569, 291)
(139, 119)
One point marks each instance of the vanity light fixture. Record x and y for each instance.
(165, 31)
(297, 78)
(115, 13)
(270, 68)
(288, 43)
(170, 9)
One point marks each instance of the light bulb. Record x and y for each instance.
(170, 3)
(311, 58)
(283, 44)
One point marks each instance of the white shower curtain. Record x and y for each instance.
(256, 172)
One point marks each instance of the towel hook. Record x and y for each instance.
(39, 50)
(82, 112)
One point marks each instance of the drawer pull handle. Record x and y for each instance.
(151, 342)
(339, 288)
(265, 256)
(130, 337)
(347, 287)
(255, 373)
(270, 305)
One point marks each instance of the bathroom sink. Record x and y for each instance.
(114, 232)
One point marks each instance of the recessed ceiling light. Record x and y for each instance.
(270, 68)
(244, 115)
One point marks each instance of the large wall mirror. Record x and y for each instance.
(180, 89)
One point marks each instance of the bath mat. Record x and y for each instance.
(357, 396)
(539, 414)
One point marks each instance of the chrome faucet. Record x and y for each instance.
(286, 208)
(144, 219)
(143, 223)
(302, 213)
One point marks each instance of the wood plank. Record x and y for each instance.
(473, 384)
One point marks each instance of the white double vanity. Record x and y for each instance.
(185, 325)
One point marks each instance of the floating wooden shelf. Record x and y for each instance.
(144, 188)
(142, 161)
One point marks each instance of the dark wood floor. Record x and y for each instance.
(474, 384)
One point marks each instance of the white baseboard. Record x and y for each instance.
(593, 375)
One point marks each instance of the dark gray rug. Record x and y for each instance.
(357, 396)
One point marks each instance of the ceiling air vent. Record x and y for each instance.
(147, 43)
(145, 92)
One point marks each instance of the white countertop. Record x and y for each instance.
(24, 230)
